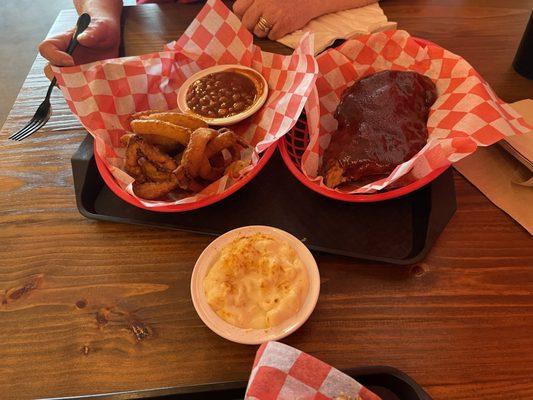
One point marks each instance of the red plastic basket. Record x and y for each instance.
(293, 144)
(128, 198)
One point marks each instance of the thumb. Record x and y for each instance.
(90, 37)
(98, 34)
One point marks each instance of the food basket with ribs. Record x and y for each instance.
(388, 115)
(157, 156)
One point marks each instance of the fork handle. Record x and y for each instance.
(83, 22)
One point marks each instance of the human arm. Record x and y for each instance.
(286, 16)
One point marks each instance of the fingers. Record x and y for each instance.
(53, 49)
(48, 71)
(99, 41)
(260, 32)
(253, 11)
(240, 7)
(251, 17)
(280, 28)
(277, 32)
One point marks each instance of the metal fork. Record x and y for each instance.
(42, 115)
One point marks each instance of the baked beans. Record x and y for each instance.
(221, 94)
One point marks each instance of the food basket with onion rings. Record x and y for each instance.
(106, 95)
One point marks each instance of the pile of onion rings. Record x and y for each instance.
(174, 152)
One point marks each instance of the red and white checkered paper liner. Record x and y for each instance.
(103, 94)
(282, 372)
(466, 114)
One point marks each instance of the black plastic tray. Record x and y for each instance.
(387, 382)
(398, 231)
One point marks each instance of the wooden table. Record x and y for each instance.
(92, 307)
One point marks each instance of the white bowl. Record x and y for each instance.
(252, 336)
(233, 119)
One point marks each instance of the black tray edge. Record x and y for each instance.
(358, 373)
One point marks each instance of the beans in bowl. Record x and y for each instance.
(223, 94)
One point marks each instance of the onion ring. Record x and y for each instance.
(205, 158)
(185, 182)
(132, 156)
(209, 173)
(125, 139)
(155, 190)
(177, 118)
(234, 169)
(224, 140)
(194, 153)
(178, 157)
(141, 114)
(161, 128)
(151, 171)
(157, 157)
(163, 143)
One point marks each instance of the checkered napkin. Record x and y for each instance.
(282, 372)
(466, 114)
(104, 93)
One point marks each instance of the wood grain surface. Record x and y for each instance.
(93, 307)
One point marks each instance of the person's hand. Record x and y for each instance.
(283, 16)
(100, 41)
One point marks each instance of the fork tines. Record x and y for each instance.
(42, 115)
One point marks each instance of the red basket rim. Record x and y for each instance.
(356, 198)
(128, 198)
